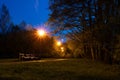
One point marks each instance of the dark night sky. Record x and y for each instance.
(33, 12)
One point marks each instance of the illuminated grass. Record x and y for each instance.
(71, 69)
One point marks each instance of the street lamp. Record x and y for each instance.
(62, 49)
(41, 33)
(58, 43)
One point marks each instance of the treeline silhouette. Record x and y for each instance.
(22, 38)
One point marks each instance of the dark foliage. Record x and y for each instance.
(93, 24)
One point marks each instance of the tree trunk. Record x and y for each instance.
(92, 53)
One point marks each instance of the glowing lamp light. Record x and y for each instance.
(59, 43)
(41, 32)
(62, 49)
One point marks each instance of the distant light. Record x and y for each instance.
(62, 49)
(59, 43)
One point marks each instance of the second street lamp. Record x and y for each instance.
(58, 43)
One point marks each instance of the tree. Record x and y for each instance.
(22, 25)
(87, 22)
(4, 19)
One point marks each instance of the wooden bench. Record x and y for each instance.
(25, 57)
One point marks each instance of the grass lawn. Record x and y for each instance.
(71, 69)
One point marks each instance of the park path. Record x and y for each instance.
(48, 60)
(42, 60)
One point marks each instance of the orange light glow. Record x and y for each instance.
(59, 43)
(41, 32)
(62, 49)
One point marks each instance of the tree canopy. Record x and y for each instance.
(4, 19)
(91, 23)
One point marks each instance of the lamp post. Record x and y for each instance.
(41, 33)
(60, 48)
(58, 45)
